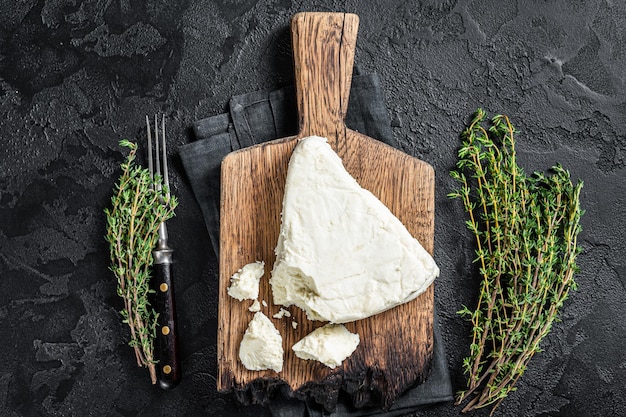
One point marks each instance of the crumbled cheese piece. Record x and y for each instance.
(244, 284)
(330, 344)
(264, 303)
(282, 313)
(255, 306)
(262, 346)
(294, 324)
(341, 254)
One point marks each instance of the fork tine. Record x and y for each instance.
(150, 163)
(157, 157)
(156, 153)
(166, 180)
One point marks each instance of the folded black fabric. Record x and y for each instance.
(266, 115)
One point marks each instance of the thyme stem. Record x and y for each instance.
(526, 230)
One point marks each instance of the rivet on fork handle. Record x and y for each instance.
(169, 370)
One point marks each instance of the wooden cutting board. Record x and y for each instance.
(396, 346)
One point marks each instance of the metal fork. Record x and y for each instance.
(168, 368)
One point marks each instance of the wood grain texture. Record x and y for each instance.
(396, 346)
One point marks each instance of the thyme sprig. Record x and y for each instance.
(137, 209)
(526, 230)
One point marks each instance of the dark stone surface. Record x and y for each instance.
(78, 76)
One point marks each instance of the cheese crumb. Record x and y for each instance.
(255, 306)
(264, 303)
(244, 284)
(282, 313)
(329, 344)
(262, 345)
(294, 324)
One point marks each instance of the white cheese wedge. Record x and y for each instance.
(262, 345)
(244, 284)
(329, 344)
(341, 254)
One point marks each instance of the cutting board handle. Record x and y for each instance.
(323, 51)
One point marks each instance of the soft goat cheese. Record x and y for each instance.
(244, 284)
(282, 313)
(329, 344)
(256, 306)
(341, 254)
(262, 345)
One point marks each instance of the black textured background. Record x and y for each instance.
(78, 76)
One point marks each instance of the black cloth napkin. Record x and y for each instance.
(265, 115)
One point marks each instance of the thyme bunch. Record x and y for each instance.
(526, 231)
(137, 209)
